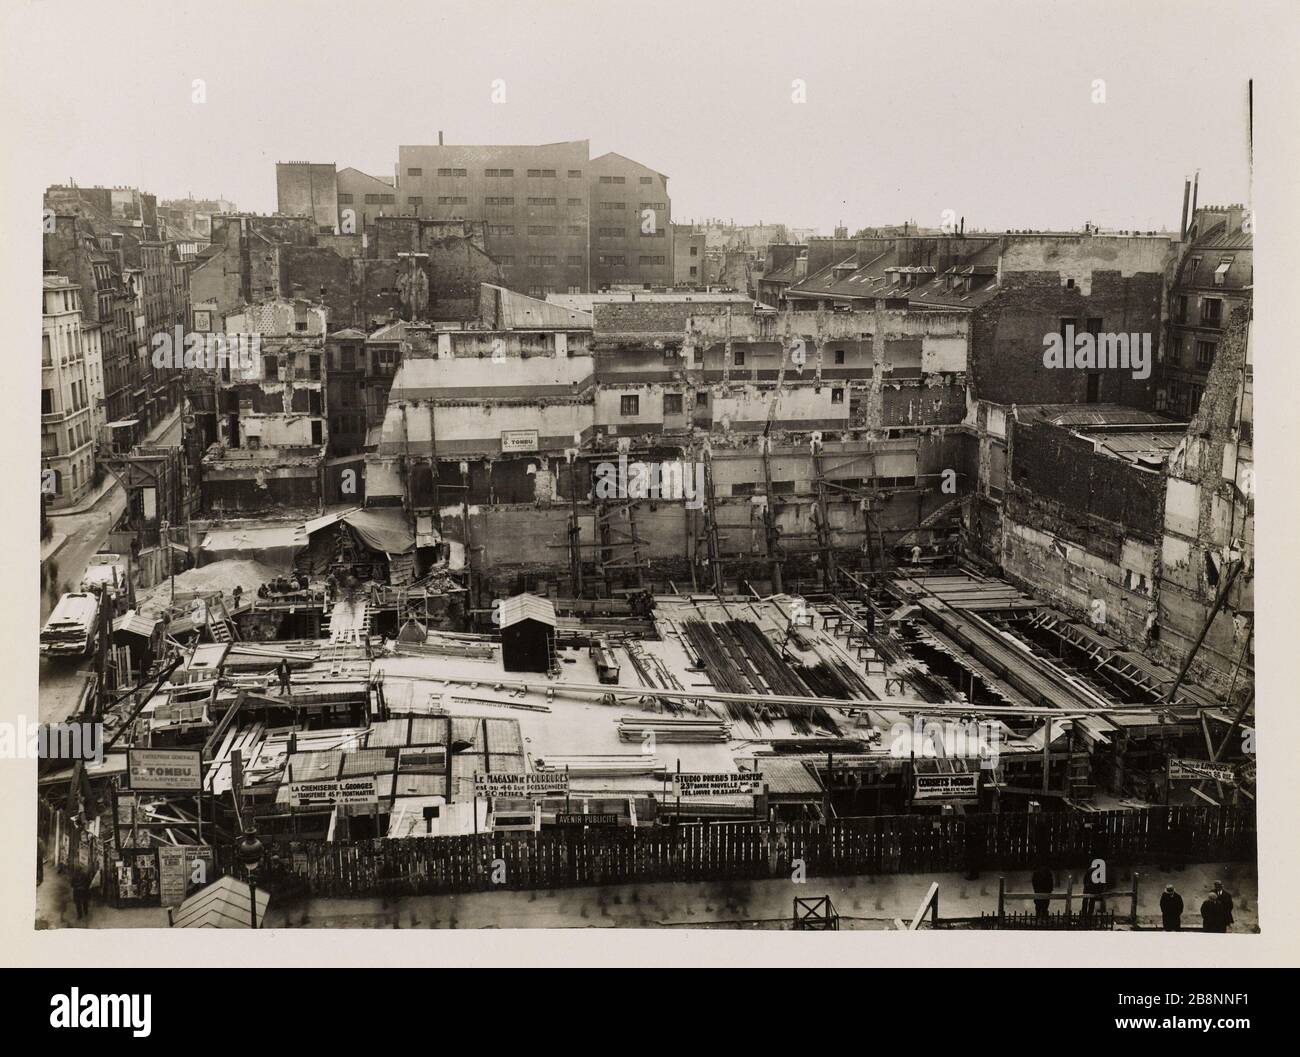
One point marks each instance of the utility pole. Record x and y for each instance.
(824, 542)
(769, 515)
(711, 523)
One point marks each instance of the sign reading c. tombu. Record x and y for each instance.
(165, 769)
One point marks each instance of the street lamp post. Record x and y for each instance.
(249, 850)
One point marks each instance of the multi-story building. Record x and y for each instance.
(1215, 276)
(67, 425)
(272, 423)
(362, 198)
(631, 225)
(533, 198)
(689, 256)
(308, 189)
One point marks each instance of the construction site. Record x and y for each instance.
(609, 592)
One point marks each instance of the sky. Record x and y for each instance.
(992, 111)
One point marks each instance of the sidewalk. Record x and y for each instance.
(863, 902)
(91, 499)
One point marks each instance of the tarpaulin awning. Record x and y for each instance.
(383, 529)
(274, 546)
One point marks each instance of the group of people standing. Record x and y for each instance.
(1216, 910)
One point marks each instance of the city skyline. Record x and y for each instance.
(926, 143)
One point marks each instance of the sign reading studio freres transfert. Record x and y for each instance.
(722, 783)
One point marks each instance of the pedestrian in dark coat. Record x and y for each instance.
(283, 671)
(1212, 915)
(1044, 882)
(1225, 905)
(1171, 910)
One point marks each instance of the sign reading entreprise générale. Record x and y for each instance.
(524, 786)
(722, 783)
(330, 791)
(165, 769)
(518, 440)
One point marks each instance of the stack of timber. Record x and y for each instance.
(673, 728)
(615, 765)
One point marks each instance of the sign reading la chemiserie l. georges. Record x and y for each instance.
(165, 769)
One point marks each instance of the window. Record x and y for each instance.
(380, 200)
(612, 205)
(1094, 388)
(609, 233)
(501, 229)
(542, 229)
(537, 260)
(452, 200)
(573, 261)
(738, 357)
(444, 172)
(1211, 311)
(574, 229)
(672, 403)
(575, 203)
(697, 354)
(414, 172)
(629, 405)
(702, 398)
(541, 201)
(695, 251)
(612, 261)
(345, 200)
(313, 366)
(647, 179)
(1204, 354)
(1180, 309)
(506, 260)
(271, 368)
(654, 205)
(415, 200)
(839, 356)
(1067, 321)
(541, 172)
(575, 174)
(498, 201)
(837, 396)
(1094, 326)
(694, 270)
(47, 401)
(1221, 272)
(651, 260)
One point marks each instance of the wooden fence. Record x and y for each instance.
(750, 850)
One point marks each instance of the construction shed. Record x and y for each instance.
(527, 634)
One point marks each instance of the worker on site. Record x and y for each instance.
(1171, 910)
(1043, 883)
(282, 669)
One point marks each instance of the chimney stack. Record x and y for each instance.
(439, 137)
(1187, 190)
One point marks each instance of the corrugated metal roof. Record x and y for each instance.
(526, 607)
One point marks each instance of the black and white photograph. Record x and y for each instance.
(681, 470)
